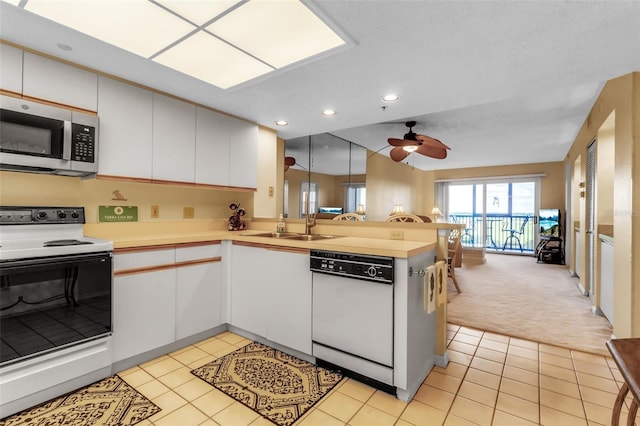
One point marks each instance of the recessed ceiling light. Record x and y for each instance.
(64, 47)
(328, 113)
(281, 123)
(390, 98)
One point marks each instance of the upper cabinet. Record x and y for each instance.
(10, 68)
(174, 139)
(126, 126)
(142, 134)
(57, 82)
(226, 150)
(243, 154)
(212, 148)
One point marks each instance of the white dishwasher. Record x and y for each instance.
(352, 321)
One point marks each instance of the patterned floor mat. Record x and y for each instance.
(109, 402)
(276, 385)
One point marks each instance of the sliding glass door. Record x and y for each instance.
(498, 215)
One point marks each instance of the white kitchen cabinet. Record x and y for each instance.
(249, 288)
(243, 154)
(289, 299)
(10, 68)
(198, 302)
(226, 150)
(174, 139)
(126, 123)
(606, 277)
(212, 148)
(54, 81)
(271, 295)
(143, 312)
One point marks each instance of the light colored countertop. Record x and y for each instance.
(363, 240)
(348, 244)
(372, 246)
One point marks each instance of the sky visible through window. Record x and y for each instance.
(499, 202)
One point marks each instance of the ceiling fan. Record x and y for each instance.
(412, 142)
(289, 162)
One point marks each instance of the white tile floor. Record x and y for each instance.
(491, 380)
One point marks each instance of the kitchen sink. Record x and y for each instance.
(293, 236)
(304, 237)
(274, 235)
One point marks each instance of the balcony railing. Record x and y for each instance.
(502, 233)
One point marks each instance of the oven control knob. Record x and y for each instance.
(62, 215)
(372, 271)
(75, 215)
(41, 215)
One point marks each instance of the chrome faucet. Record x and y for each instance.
(309, 223)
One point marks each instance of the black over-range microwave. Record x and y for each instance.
(40, 138)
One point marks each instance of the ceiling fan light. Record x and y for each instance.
(410, 148)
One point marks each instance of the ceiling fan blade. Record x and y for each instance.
(289, 162)
(398, 154)
(428, 140)
(401, 142)
(432, 151)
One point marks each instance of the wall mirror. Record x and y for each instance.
(325, 173)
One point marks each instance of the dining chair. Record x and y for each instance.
(453, 251)
(349, 217)
(404, 217)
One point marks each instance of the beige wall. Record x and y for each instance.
(622, 96)
(268, 199)
(33, 189)
(390, 183)
(551, 185)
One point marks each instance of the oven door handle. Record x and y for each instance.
(61, 262)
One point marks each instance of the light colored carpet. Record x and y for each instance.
(516, 296)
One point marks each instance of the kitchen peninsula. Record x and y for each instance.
(263, 287)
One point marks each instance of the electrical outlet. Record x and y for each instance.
(187, 213)
(155, 212)
(396, 235)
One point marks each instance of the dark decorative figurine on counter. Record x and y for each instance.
(235, 220)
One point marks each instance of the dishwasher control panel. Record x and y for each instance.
(349, 265)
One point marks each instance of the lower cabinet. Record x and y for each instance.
(271, 294)
(197, 298)
(162, 295)
(143, 312)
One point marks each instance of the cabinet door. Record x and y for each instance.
(212, 148)
(174, 139)
(143, 312)
(197, 298)
(10, 68)
(249, 288)
(126, 118)
(54, 81)
(289, 299)
(243, 156)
